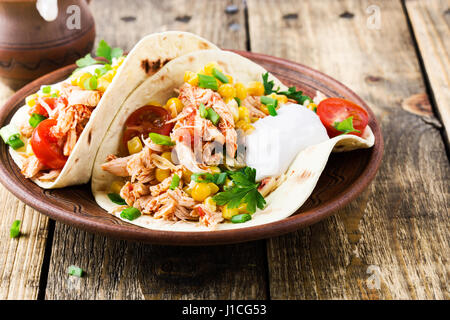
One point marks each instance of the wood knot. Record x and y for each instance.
(346, 15)
(372, 79)
(418, 104)
(290, 16)
(128, 18)
(184, 19)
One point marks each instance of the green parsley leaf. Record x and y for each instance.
(244, 190)
(298, 96)
(105, 51)
(86, 61)
(345, 126)
(268, 85)
(116, 53)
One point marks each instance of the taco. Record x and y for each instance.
(54, 137)
(213, 141)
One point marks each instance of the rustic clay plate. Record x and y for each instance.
(345, 176)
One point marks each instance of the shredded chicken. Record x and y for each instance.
(31, 167)
(50, 176)
(253, 104)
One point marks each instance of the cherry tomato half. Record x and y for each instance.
(45, 145)
(334, 110)
(145, 120)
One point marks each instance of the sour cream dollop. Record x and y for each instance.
(276, 140)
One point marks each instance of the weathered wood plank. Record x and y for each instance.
(430, 21)
(20, 259)
(121, 270)
(398, 229)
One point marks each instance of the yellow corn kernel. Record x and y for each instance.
(255, 88)
(249, 129)
(116, 186)
(175, 102)
(243, 113)
(82, 78)
(102, 84)
(230, 78)
(210, 204)
(213, 187)
(214, 169)
(241, 90)
(109, 75)
(191, 78)
(228, 213)
(227, 90)
(201, 191)
(312, 106)
(134, 145)
(31, 100)
(167, 155)
(162, 174)
(243, 208)
(208, 68)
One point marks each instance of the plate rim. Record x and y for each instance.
(276, 228)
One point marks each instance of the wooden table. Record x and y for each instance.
(390, 243)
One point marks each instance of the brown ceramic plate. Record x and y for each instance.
(345, 176)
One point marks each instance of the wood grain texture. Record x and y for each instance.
(430, 21)
(21, 258)
(125, 270)
(396, 232)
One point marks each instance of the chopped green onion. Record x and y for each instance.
(75, 271)
(271, 104)
(241, 218)
(14, 232)
(54, 95)
(238, 101)
(213, 116)
(46, 89)
(161, 139)
(219, 75)
(11, 136)
(117, 199)
(203, 111)
(175, 182)
(207, 82)
(130, 213)
(217, 178)
(90, 83)
(102, 70)
(35, 119)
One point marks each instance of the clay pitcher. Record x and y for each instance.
(30, 46)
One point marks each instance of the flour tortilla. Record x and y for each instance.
(147, 57)
(301, 177)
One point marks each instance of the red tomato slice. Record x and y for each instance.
(52, 102)
(334, 110)
(145, 120)
(45, 145)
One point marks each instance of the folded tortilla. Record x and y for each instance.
(299, 180)
(147, 57)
